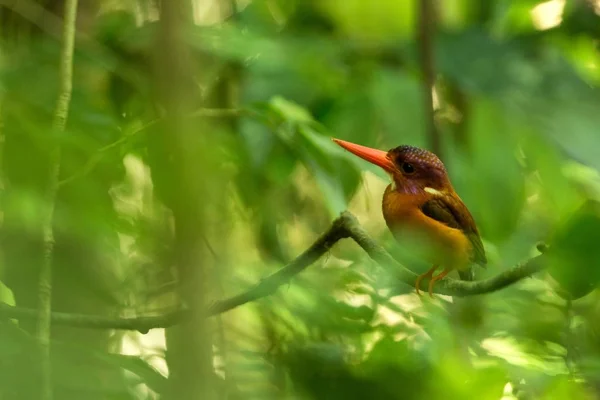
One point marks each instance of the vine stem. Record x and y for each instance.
(58, 125)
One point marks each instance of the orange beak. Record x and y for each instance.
(374, 156)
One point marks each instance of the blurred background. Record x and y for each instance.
(197, 160)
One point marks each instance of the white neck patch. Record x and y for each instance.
(433, 191)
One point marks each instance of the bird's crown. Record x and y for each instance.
(416, 155)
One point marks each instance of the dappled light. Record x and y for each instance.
(177, 222)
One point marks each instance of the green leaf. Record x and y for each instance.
(574, 251)
(396, 99)
(491, 181)
(290, 111)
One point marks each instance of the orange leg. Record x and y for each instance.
(427, 274)
(437, 278)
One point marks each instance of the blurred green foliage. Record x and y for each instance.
(516, 107)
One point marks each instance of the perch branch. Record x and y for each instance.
(346, 226)
(447, 286)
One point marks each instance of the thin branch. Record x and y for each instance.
(346, 226)
(58, 125)
(95, 159)
(425, 43)
(141, 324)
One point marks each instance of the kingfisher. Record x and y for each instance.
(421, 203)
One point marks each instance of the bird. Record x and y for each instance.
(420, 202)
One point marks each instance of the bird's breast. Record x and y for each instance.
(429, 239)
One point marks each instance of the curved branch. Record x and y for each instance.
(266, 287)
(346, 226)
(337, 231)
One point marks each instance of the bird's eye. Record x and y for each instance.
(407, 168)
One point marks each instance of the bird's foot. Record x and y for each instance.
(436, 278)
(427, 274)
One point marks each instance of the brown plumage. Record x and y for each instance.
(421, 204)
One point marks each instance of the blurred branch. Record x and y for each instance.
(141, 324)
(93, 161)
(346, 226)
(189, 344)
(58, 125)
(265, 288)
(37, 15)
(425, 44)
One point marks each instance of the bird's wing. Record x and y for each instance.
(451, 211)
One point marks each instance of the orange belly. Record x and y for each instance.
(431, 240)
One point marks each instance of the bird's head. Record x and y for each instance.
(413, 170)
